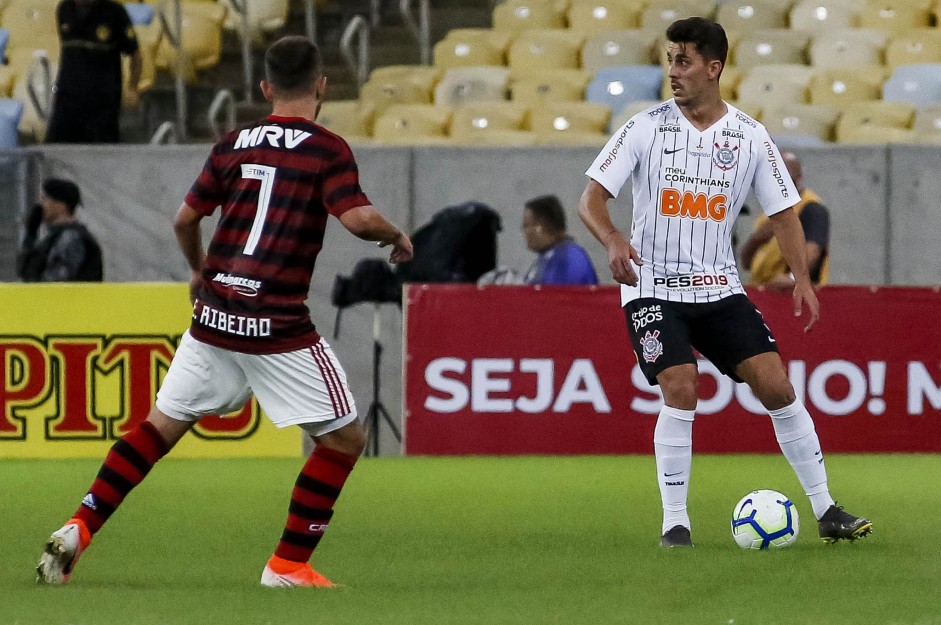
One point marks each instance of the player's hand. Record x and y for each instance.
(34, 220)
(620, 255)
(804, 295)
(402, 251)
(131, 97)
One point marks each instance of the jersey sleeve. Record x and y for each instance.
(773, 185)
(127, 37)
(206, 193)
(816, 223)
(614, 165)
(341, 190)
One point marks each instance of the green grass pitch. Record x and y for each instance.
(476, 540)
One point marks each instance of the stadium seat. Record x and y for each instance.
(28, 18)
(659, 14)
(4, 40)
(546, 49)
(148, 41)
(800, 119)
(771, 46)
(589, 16)
(264, 16)
(611, 48)
(616, 87)
(843, 86)
(474, 119)
(20, 57)
(897, 16)
(876, 122)
(746, 15)
(201, 40)
(820, 16)
(7, 78)
(31, 123)
(848, 47)
(571, 123)
(629, 111)
(413, 124)
(141, 14)
(351, 119)
(564, 85)
(922, 89)
(471, 47)
(11, 111)
(776, 84)
(919, 45)
(519, 15)
(399, 84)
(462, 85)
(927, 124)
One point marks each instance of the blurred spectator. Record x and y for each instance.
(68, 252)
(761, 254)
(87, 104)
(560, 259)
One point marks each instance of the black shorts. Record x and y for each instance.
(726, 332)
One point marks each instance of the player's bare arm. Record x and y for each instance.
(593, 209)
(189, 237)
(368, 224)
(136, 68)
(790, 234)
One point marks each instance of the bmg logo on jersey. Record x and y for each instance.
(691, 205)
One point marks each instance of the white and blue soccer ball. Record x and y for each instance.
(765, 519)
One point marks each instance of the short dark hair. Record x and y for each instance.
(293, 64)
(64, 191)
(547, 209)
(708, 36)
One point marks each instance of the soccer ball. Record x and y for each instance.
(764, 519)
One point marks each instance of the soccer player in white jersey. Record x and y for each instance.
(691, 161)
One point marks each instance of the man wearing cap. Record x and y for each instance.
(68, 252)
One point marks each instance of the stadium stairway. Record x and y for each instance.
(390, 44)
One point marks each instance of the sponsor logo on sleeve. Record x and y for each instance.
(776, 168)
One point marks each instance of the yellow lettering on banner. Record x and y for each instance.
(76, 375)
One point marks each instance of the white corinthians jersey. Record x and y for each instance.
(689, 187)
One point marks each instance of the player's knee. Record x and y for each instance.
(680, 391)
(350, 439)
(777, 394)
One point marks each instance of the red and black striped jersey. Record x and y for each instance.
(276, 182)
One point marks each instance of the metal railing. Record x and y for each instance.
(39, 84)
(357, 29)
(421, 28)
(223, 102)
(245, 33)
(310, 19)
(166, 134)
(174, 34)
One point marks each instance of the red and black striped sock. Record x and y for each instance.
(312, 500)
(126, 466)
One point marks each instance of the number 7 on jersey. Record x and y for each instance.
(265, 174)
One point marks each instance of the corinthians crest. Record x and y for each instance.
(725, 157)
(651, 345)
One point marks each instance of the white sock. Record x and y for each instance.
(673, 448)
(794, 429)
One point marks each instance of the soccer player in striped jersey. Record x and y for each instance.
(691, 161)
(277, 182)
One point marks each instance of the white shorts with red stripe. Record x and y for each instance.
(306, 387)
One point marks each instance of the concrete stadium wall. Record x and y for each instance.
(883, 201)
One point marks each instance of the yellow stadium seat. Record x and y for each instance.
(546, 49)
(201, 40)
(876, 122)
(264, 16)
(746, 15)
(928, 121)
(579, 122)
(399, 84)
(463, 85)
(771, 46)
(659, 14)
(920, 45)
(629, 111)
(470, 120)
(800, 119)
(535, 87)
(848, 47)
(351, 119)
(148, 40)
(32, 124)
(896, 16)
(518, 15)
(502, 138)
(413, 123)
(6, 81)
(767, 84)
(752, 109)
(820, 16)
(590, 16)
(610, 48)
(28, 18)
(470, 47)
(841, 87)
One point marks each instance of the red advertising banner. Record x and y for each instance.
(530, 370)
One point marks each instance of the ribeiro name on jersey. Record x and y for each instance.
(688, 189)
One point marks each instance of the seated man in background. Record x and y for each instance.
(761, 254)
(560, 259)
(68, 252)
